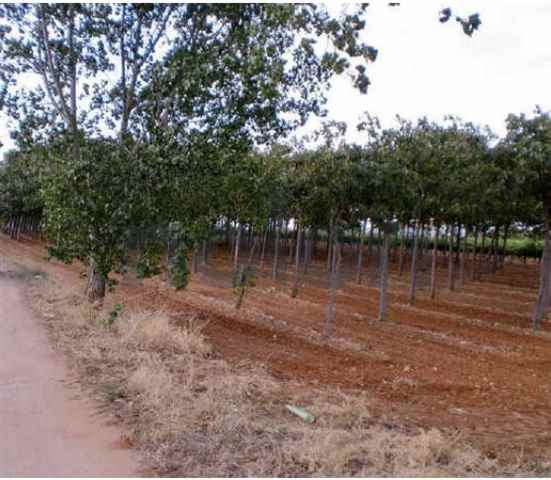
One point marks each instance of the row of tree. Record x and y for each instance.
(412, 183)
(164, 119)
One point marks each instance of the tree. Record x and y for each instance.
(530, 141)
(383, 172)
(20, 203)
(234, 74)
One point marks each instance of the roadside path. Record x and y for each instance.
(46, 429)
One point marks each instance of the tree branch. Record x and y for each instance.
(50, 63)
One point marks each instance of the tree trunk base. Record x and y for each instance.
(96, 286)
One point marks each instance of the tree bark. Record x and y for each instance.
(461, 247)
(95, 288)
(253, 250)
(434, 264)
(474, 254)
(370, 245)
(451, 280)
(333, 283)
(168, 247)
(263, 251)
(379, 242)
(505, 239)
(458, 242)
(495, 244)
(545, 278)
(307, 251)
(414, 255)
(383, 281)
(195, 260)
(330, 247)
(228, 234)
(243, 272)
(359, 267)
(421, 242)
(403, 231)
(237, 242)
(481, 256)
(205, 252)
(276, 252)
(294, 292)
(290, 250)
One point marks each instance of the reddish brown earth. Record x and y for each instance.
(467, 361)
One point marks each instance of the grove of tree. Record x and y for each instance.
(158, 129)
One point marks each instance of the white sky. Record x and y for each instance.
(433, 69)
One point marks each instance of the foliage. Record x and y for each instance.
(114, 314)
(179, 269)
(20, 176)
(149, 260)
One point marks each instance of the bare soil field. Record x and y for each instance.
(467, 361)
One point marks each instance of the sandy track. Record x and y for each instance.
(46, 429)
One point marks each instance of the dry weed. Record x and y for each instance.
(154, 330)
(192, 414)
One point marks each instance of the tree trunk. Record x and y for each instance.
(458, 242)
(205, 251)
(434, 264)
(414, 255)
(195, 259)
(545, 279)
(481, 256)
(383, 281)
(228, 233)
(253, 249)
(314, 244)
(95, 288)
(451, 280)
(461, 247)
(330, 247)
(307, 251)
(359, 267)
(379, 242)
(474, 254)
(237, 242)
(370, 245)
(168, 247)
(263, 251)
(294, 292)
(276, 252)
(290, 250)
(504, 252)
(495, 244)
(333, 283)
(421, 241)
(403, 231)
(245, 271)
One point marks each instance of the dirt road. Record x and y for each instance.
(46, 428)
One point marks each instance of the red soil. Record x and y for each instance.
(466, 361)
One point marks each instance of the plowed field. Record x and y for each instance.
(466, 361)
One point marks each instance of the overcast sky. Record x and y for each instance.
(433, 69)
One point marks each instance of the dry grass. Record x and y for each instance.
(153, 331)
(192, 414)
